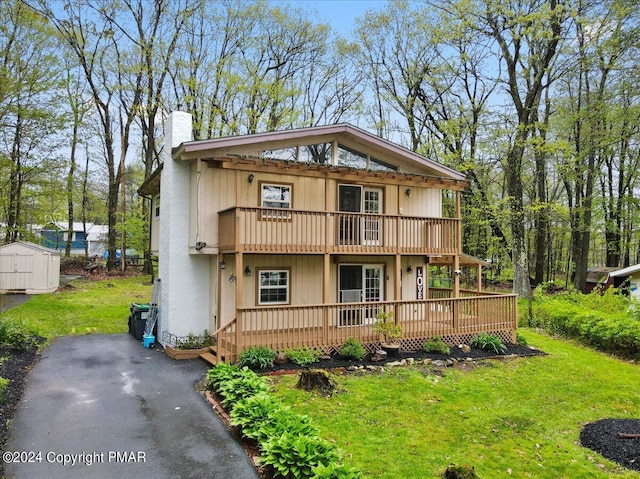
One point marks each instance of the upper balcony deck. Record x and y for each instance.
(268, 230)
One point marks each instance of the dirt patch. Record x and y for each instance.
(612, 439)
(14, 366)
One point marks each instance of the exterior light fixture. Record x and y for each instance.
(247, 271)
(407, 192)
(250, 178)
(409, 269)
(223, 265)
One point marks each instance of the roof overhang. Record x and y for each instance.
(151, 186)
(625, 271)
(344, 133)
(338, 172)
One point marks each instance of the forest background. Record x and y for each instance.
(536, 101)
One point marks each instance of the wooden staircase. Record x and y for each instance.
(221, 352)
(210, 356)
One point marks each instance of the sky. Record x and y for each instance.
(340, 14)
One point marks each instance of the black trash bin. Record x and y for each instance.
(138, 320)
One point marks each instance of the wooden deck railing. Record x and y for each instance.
(327, 326)
(265, 230)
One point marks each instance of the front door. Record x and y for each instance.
(358, 229)
(358, 284)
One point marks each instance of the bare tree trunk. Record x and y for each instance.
(70, 184)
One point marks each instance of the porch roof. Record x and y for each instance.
(465, 260)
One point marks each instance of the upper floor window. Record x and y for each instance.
(277, 196)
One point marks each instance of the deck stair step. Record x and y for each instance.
(210, 358)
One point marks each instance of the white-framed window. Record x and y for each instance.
(273, 286)
(276, 196)
(156, 206)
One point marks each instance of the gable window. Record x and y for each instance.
(278, 197)
(156, 204)
(273, 286)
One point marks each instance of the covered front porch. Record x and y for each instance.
(326, 326)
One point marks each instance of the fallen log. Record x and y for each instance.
(624, 435)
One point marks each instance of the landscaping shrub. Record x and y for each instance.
(262, 417)
(521, 340)
(257, 357)
(352, 349)
(234, 384)
(436, 345)
(14, 335)
(303, 356)
(289, 442)
(194, 341)
(607, 321)
(295, 456)
(488, 342)
(3, 386)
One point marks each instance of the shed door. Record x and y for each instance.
(23, 274)
(16, 272)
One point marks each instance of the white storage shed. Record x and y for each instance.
(28, 268)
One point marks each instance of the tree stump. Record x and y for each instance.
(317, 380)
(460, 472)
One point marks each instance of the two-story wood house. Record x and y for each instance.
(301, 237)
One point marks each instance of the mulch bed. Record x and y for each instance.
(337, 362)
(602, 437)
(14, 366)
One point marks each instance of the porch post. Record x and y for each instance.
(456, 276)
(398, 286)
(456, 258)
(326, 271)
(427, 294)
(239, 272)
(479, 278)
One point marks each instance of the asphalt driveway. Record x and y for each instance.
(102, 406)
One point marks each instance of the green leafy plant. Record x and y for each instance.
(352, 349)
(489, 342)
(335, 470)
(3, 385)
(194, 341)
(436, 345)
(295, 456)
(257, 357)
(521, 340)
(303, 356)
(234, 384)
(14, 335)
(385, 325)
(262, 417)
(222, 372)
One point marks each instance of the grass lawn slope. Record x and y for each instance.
(83, 307)
(517, 418)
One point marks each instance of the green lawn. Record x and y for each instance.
(515, 418)
(85, 307)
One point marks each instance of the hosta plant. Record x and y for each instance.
(295, 456)
(489, 342)
(257, 357)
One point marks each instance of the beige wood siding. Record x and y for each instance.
(425, 202)
(304, 282)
